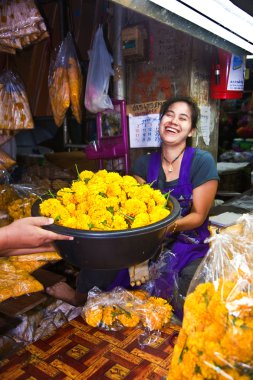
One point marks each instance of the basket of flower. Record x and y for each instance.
(115, 221)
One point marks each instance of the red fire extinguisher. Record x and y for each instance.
(227, 76)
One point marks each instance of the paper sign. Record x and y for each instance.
(205, 123)
(147, 108)
(236, 74)
(144, 131)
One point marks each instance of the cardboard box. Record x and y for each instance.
(133, 42)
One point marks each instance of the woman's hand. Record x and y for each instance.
(28, 233)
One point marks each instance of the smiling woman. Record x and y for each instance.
(190, 175)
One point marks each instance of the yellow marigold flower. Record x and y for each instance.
(122, 198)
(70, 222)
(141, 294)
(159, 198)
(128, 319)
(80, 191)
(50, 207)
(93, 316)
(133, 192)
(128, 181)
(100, 176)
(113, 177)
(83, 221)
(96, 202)
(141, 220)
(86, 175)
(150, 205)
(163, 308)
(238, 343)
(145, 192)
(113, 190)
(156, 312)
(101, 219)
(97, 187)
(119, 223)
(132, 207)
(82, 208)
(71, 208)
(65, 195)
(112, 204)
(109, 315)
(158, 213)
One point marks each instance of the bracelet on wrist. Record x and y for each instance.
(174, 228)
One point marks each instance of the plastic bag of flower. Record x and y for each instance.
(16, 200)
(22, 205)
(216, 339)
(15, 110)
(121, 308)
(65, 82)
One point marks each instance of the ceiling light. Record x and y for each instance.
(221, 17)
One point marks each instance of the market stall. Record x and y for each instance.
(111, 336)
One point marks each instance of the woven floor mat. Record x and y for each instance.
(78, 351)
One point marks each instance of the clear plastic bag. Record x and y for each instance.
(21, 25)
(15, 111)
(216, 339)
(99, 72)
(65, 82)
(120, 308)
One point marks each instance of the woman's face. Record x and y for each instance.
(176, 124)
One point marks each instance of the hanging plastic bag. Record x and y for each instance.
(15, 111)
(21, 25)
(216, 339)
(99, 72)
(65, 82)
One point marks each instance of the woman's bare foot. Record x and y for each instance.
(64, 292)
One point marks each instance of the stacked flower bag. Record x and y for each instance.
(216, 339)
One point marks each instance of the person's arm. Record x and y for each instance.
(27, 251)
(26, 235)
(139, 179)
(203, 197)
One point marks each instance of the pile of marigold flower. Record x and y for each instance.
(106, 201)
(216, 339)
(122, 308)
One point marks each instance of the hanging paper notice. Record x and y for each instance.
(144, 131)
(236, 74)
(205, 123)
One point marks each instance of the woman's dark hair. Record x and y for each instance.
(195, 112)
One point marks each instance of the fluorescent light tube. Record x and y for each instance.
(224, 12)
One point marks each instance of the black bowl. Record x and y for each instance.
(111, 249)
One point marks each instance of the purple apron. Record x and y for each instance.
(186, 246)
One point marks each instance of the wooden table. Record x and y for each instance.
(78, 351)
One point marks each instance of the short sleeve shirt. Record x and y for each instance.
(203, 168)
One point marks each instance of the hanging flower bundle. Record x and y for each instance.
(106, 201)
